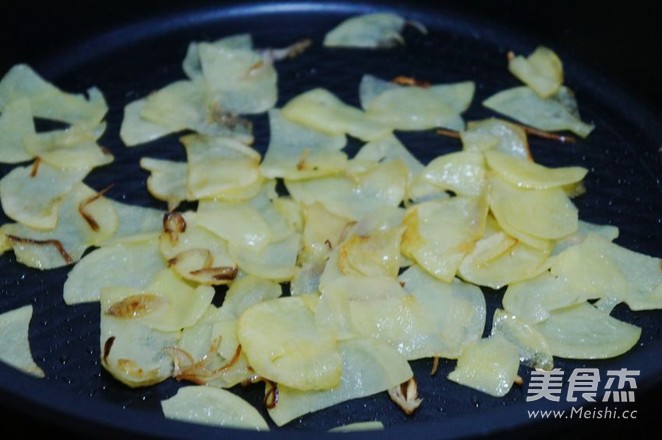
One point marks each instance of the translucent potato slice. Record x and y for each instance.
(440, 233)
(551, 114)
(85, 219)
(488, 365)
(584, 332)
(382, 186)
(249, 290)
(458, 309)
(609, 232)
(136, 130)
(415, 108)
(276, 261)
(188, 97)
(218, 165)
(136, 223)
(238, 80)
(131, 264)
(498, 135)
(15, 123)
(542, 71)
(389, 148)
(166, 181)
(372, 31)
(604, 269)
(33, 199)
(15, 347)
(368, 367)
(542, 213)
(47, 101)
(192, 65)
(239, 223)
(375, 254)
(132, 351)
(321, 110)
(284, 345)
(371, 425)
(51, 148)
(298, 152)
(213, 406)
(527, 174)
(534, 350)
(462, 173)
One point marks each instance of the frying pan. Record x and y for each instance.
(129, 54)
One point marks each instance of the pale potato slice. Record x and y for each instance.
(488, 365)
(533, 300)
(584, 332)
(368, 367)
(284, 345)
(74, 147)
(192, 65)
(132, 351)
(298, 152)
(194, 252)
(374, 254)
(609, 232)
(462, 173)
(551, 114)
(188, 97)
(389, 148)
(32, 195)
(440, 233)
(49, 102)
(382, 186)
(496, 134)
(167, 180)
(458, 309)
(15, 347)
(527, 174)
(276, 261)
(136, 223)
(213, 406)
(132, 264)
(416, 108)
(534, 350)
(15, 123)
(371, 30)
(322, 232)
(136, 130)
(542, 213)
(542, 71)
(371, 425)
(321, 110)
(239, 223)
(219, 165)
(238, 80)
(86, 219)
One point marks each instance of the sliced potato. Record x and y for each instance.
(15, 347)
(462, 173)
(534, 350)
(275, 262)
(498, 135)
(136, 130)
(167, 180)
(213, 406)
(527, 174)
(15, 123)
(542, 70)
(283, 344)
(375, 30)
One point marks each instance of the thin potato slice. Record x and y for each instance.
(371, 425)
(321, 110)
(551, 114)
(389, 148)
(375, 254)
(498, 135)
(608, 232)
(136, 223)
(49, 102)
(131, 264)
(166, 181)
(276, 262)
(136, 130)
(416, 108)
(15, 123)
(86, 219)
(322, 232)
(534, 350)
(488, 365)
(371, 31)
(584, 332)
(462, 172)
(368, 367)
(213, 406)
(284, 345)
(526, 174)
(542, 71)
(298, 152)
(440, 233)
(33, 198)
(15, 347)
(545, 213)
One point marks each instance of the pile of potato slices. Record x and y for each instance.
(334, 271)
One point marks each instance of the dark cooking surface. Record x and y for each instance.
(622, 189)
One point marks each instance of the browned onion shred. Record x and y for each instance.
(406, 396)
(547, 135)
(410, 81)
(107, 346)
(53, 242)
(435, 364)
(35, 167)
(173, 225)
(270, 399)
(218, 273)
(82, 205)
(197, 372)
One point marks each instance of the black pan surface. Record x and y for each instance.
(623, 189)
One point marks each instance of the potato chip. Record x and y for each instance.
(496, 134)
(212, 406)
(166, 181)
(488, 365)
(15, 347)
(534, 351)
(192, 65)
(542, 71)
(371, 425)
(462, 172)
(275, 262)
(15, 123)
(136, 130)
(373, 30)
(527, 174)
